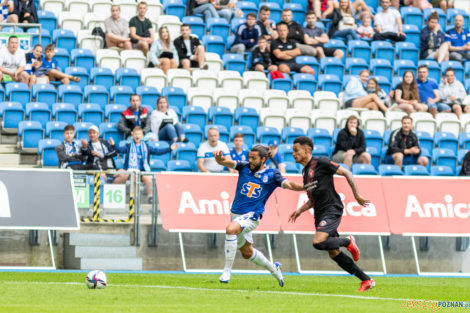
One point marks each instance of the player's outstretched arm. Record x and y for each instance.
(223, 160)
(294, 215)
(292, 185)
(350, 178)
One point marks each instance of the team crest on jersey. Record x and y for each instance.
(265, 178)
(322, 223)
(311, 172)
(251, 190)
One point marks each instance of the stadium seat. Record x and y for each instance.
(64, 112)
(18, 92)
(441, 171)
(71, 20)
(324, 119)
(415, 170)
(30, 132)
(179, 166)
(47, 20)
(460, 156)
(200, 97)
(205, 79)
(332, 66)
(310, 61)
(176, 96)
(284, 83)
(108, 58)
(234, 62)
(247, 132)
(91, 113)
(39, 112)
(359, 49)
(230, 80)
(46, 37)
(195, 115)
(305, 82)
(288, 134)
(102, 76)
(389, 170)
(326, 100)
(255, 80)
(394, 119)
(83, 58)
(407, 51)
(218, 27)
(382, 50)
(445, 157)
(363, 169)
(121, 94)
(2, 93)
(221, 116)
(174, 7)
(109, 130)
(401, 66)
(97, 94)
(247, 117)
(273, 117)
(330, 83)
(355, 65)
(12, 113)
(446, 140)
(301, 100)
(148, 95)
(44, 93)
(384, 83)
(133, 59)
(412, 33)
(224, 135)
(226, 98)
(381, 67)
(297, 118)
(48, 155)
(65, 39)
(251, 99)
(157, 165)
(343, 115)
(214, 44)
(291, 168)
(214, 62)
(70, 94)
(172, 22)
(198, 27)
(464, 140)
(320, 151)
(128, 8)
(373, 139)
(165, 157)
(179, 78)
(276, 99)
(425, 140)
(113, 112)
(55, 130)
(266, 134)
(374, 120)
(81, 130)
(128, 77)
(78, 72)
(423, 121)
(153, 77)
(320, 136)
(412, 16)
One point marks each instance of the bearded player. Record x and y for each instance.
(328, 208)
(255, 184)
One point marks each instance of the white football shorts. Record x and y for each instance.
(247, 224)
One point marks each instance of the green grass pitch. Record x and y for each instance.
(33, 292)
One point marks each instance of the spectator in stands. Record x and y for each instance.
(238, 152)
(99, 152)
(227, 9)
(205, 158)
(343, 24)
(165, 124)
(137, 157)
(275, 159)
(406, 95)
(356, 96)
(268, 28)
(374, 88)
(163, 52)
(33, 67)
(322, 8)
(443, 4)
(262, 56)
(365, 31)
(453, 93)
(284, 51)
(465, 171)
(70, 153)
(25, 12)
(6, 11)
(429, 92)
(459, 40)
(388, 24)
(135, 115)
(117, 30)
(205, 7)
(296, 33)
(141, 29)
(50, 67)
(246, 36)
(317, 37)
(13, 62)
(191, 52)
(432, 41)
(351, 144)
(403, 147)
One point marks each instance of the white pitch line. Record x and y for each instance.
(292, 293)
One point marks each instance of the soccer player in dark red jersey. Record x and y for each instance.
(318, 182)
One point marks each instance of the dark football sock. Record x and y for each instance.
(347, 264)
(332, 243)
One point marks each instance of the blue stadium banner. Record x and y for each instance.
(37, 199)
(24, 40)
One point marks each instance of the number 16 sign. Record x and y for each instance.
(114, 196)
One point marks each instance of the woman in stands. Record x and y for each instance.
(163, 53)
(374, 88)
(355, 94)
(165, 124)
(406, 95)
(343, 24)
(432, 41)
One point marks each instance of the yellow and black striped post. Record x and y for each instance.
(96, 198)
(131, 198)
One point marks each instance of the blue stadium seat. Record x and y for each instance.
(214, 44)
(193, 114)
(332, 66)
(458, 69)
(359, 49)
(48, 155)
(381, 67)
(234, 62)
(128, 77)
(446, 140)
(337, 44)
(46, 37)
(64, 38)
(384, 83)
(297, 9)
(247, 133)
(121, 94)
(412, 16)
(460, 156)
(221, 116)
(266, 134)
(63, 58)
(247, 7)
(290, 133)
(373, 139)
(375, 156)
(425, 140)
(310, 61)
(79, 72)
(18, 92)
(305, 82)
(12, 113)
(64, 112)
(401, 66)
(91, 113)
(247, 117)
(165, 157)
(176, 96)
(148, 95)
(464, 140)
(320, 151)
(330, 83)
(407, 51)
(38, 111)
(415, 170)
(44, 93)
(109, 130)
(2, 93)
(445, 157)
(47, 20)
(81, 130)
(71, 94)
(389, 170)
(383, 50)
(157, 165)
(174, 7)
(396, 80)
(197, 25)
(102, 76)
(97, 94)
(285, 150)
(224, 135)
(355, 65)
(434, 69)
(441, 171)
(236, 21)
(412, 33)
(291, 168)
(363, 169)
(83, 58)
(113, 112)
(30, 132)
(284, 84)
(320, 137)
(303, 3)
(194, 133)
(179, 166)
(55, 130)
(275, 10)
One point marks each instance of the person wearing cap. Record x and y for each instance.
(135, 115)
(99, 151)
(275, 159)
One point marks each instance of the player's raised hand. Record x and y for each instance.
(294, 216)
(219, 156)
(362, 201)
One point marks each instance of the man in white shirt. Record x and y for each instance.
(453, 93)
(205, 159)
(388, 24)
(12, 63)
(117, 30)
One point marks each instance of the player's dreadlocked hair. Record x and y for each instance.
(262, 151)
(304, 140)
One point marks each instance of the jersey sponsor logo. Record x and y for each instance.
(437, 209)
(251, 190)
